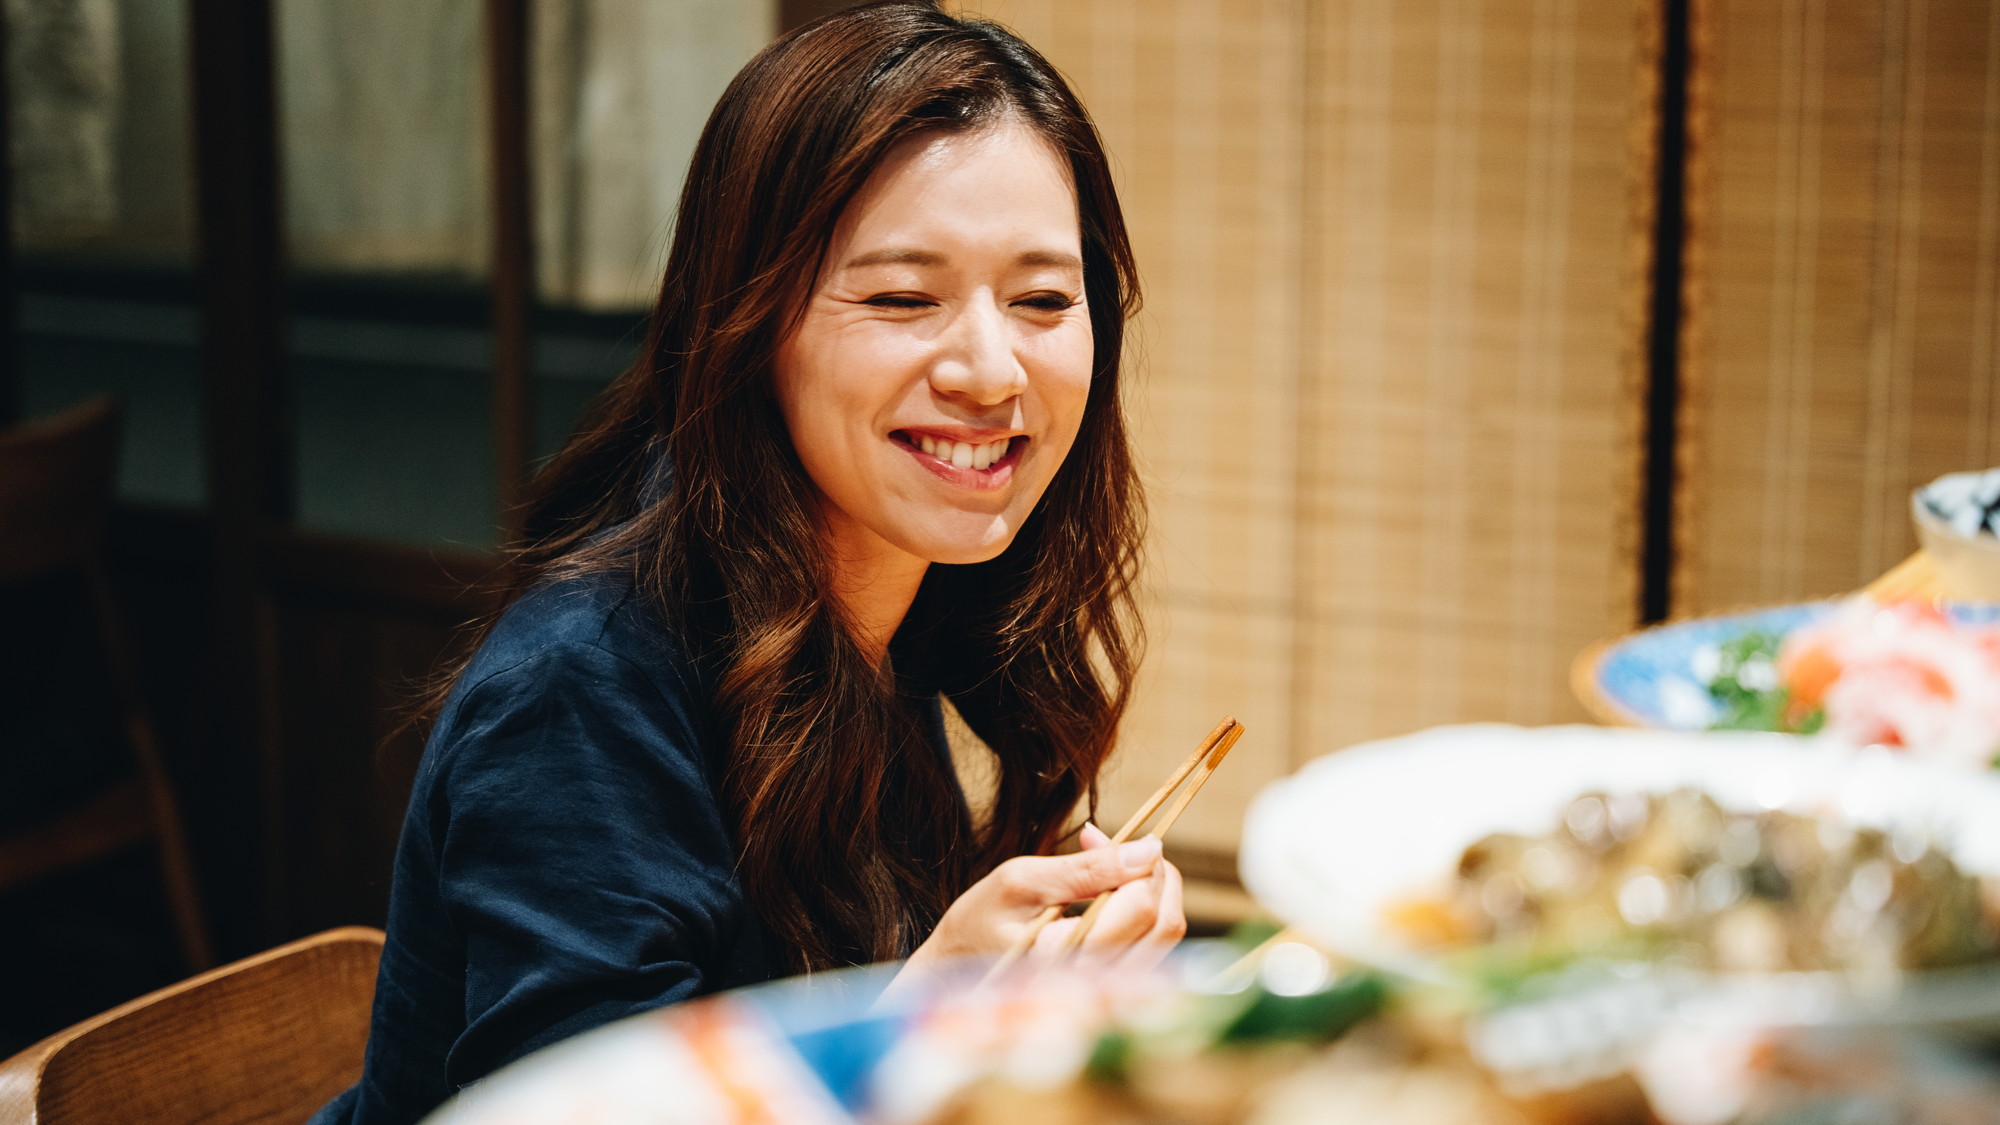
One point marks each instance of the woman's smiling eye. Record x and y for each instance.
(1046, 301)
(899, 301)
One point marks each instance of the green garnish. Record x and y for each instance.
(1316, 1017)
(1747, 692)
(1110, 1057)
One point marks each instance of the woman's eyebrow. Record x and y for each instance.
(1060, 258)
(896, 256)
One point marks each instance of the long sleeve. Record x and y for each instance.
(565, 860)
(581, 857)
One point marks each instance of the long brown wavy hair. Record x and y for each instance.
(851, 832)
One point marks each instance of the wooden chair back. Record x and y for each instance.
(56, 482)
(264, 1041)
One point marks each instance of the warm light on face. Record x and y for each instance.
(938, 373)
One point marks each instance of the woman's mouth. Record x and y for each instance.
(980, 465)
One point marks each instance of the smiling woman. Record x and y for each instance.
(936, 377)
(871, 455)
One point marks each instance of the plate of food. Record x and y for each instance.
(1913, 674)
(1487, 856)
(1365, 855)
(1066, 1044)
(1912, 663)
(1297, 1039)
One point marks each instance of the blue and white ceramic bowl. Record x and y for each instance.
(1659, 677)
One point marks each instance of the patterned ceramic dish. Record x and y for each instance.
(1655, 677)
(819, 1051)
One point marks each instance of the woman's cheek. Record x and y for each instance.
(1064, 357)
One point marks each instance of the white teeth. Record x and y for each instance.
(964, 454)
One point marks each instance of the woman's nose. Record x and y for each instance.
(977, 360)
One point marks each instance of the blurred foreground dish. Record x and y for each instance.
(1345, 1015)
(1675, 878)
(1464, 855)
(1299, 1039)
(1702, 914)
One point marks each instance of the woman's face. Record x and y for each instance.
(938, 373)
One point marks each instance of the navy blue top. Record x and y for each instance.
(564, 861)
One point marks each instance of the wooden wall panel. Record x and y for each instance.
(1478, 205)
(1388, 393)
(1845, 228)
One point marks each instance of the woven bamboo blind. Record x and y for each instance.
(1842, 299)
(1389, 375)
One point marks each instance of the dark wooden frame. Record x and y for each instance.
(1663, 330)
(247, 454)
(241, 251)
(10, 364)
(251, 548)
(508, 137)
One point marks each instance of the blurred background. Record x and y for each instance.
(1476, 331)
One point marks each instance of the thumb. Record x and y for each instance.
(1092, 836)
(1086, 874)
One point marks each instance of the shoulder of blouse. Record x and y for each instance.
(601, 611)
(593, 633)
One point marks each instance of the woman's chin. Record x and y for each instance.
(964, 545)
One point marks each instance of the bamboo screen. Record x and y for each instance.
(1390, 374)
(1842, 300)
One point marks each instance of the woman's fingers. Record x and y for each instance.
(1131, 913)
(1169, 924)
(1053, 937)
(1144, 902)
(997, 911)
(1039, 881)
(1140, 923)
(1092, 836)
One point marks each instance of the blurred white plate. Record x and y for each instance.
(1329, 848)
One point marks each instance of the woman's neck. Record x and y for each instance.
(876, 582)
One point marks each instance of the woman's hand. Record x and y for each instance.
(1138, 925)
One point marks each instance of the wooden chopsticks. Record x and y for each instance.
(1200, 765)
